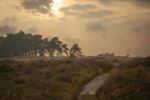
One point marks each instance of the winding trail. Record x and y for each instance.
(93, 86)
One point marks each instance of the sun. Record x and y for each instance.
(57, 4)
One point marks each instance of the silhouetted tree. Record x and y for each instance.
(1, 40)
(26, 44)
(65, 49)
(75, 50)
(51, 46)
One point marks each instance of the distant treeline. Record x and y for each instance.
(26, 44)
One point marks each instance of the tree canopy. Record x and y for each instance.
(27, 44)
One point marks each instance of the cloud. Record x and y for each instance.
(96, 26)
(33, 30)
(6, 29)
(105, 1)
(85, 11)
(79, 7)
(38, 6)
(10, 20)
(72, 40)
(140, 3)
(141, 26)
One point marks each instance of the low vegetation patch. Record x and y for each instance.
(130, 81)
(47, 80)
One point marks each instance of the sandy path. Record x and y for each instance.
(92, 86)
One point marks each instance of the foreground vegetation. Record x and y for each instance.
(47, 80)
(129, 81)
(63, 79)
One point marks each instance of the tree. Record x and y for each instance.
(75, 50)
(54, 46)
(1, 40)
(26, 44)
(65, 49)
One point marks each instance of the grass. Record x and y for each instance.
(47, 80)
(129, 81)
(89, 97)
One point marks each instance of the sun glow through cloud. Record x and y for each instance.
(57, 4)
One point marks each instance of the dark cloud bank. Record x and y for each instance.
(142, 3)
(37, 6)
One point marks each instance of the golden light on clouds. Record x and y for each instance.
(56, 5)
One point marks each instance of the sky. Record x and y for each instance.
(116, 26)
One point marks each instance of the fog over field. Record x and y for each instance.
(99, 26)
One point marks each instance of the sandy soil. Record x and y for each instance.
(92, 86)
